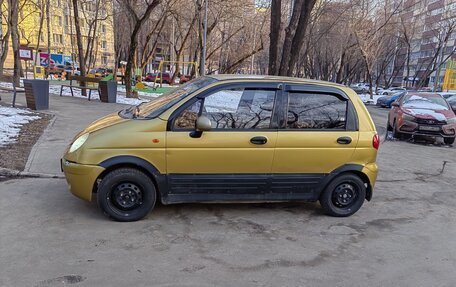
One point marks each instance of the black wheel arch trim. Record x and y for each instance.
(350, 168)
(133, 161)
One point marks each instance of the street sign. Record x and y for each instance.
(25, 53)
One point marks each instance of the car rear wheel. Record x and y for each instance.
(343, 196)
(126, 194)
(449, 140)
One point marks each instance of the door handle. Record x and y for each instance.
(259, 140)
(344, 140)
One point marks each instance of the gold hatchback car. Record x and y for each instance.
(229, 138)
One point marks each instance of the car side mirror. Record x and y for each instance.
(203, 124)
(395, 104)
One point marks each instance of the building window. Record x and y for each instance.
(104, 60)
(58, 19)
(103, 28)
(58, 38)
(104, 44)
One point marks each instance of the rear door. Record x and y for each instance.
(318, 134)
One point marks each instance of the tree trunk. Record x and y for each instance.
(290, 33)
(298, 40)
(40, 30)
(13, 21)
(48, 23)
(134, 41)
(77, 26)
(276, 21)
(4, 38)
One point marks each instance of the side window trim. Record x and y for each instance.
(351, 123)
(250, 85)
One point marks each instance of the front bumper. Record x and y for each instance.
(81, 178)
(415, 129)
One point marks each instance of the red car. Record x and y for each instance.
(422, 114)
(165, 76)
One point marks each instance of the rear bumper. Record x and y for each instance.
(81, 178)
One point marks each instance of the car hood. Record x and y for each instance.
(428, 114)
(107, 121)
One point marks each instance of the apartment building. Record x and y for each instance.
(430, 26)
(63, 32)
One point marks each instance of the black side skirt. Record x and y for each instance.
(242, 187)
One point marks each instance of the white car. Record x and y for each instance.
(393, 90)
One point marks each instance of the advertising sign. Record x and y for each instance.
(25, 53)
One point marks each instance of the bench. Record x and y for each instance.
(14, 90)
(81, 81)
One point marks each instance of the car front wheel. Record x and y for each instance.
(396, 133)
(344, 196)
(126, 194)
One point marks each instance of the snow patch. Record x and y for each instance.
(11, 121)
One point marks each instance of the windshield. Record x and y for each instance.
(157, 106)
(433, 102)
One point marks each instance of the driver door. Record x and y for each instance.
(233, 160)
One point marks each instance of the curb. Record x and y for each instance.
(16, 173)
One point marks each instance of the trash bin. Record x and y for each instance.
(108, 91)
(37, 94)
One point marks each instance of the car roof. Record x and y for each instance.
(233, 77)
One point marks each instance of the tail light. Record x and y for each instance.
(376, 141)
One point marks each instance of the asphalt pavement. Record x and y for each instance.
(403, 237)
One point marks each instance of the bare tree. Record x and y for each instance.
(138, 21)
(12, 23)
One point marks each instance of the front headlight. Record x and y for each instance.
(78, 142)
(451, 121)
(407, 117)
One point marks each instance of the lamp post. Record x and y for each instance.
(203, 55)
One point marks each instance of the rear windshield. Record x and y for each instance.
(157, 106)
(432, 102)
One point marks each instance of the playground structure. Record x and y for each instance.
(159, 76)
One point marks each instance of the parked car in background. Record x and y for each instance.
(393, 90)
(422, 114)
(386, 101)
(150, 77)
(452, 101)
(73, 70)
(184, 79)
(221, 138)
(99, 72)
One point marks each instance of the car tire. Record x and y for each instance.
(126, 194)
(343, 196)
(385, 94)
(389, 128)
(396, 133)
(449, 141)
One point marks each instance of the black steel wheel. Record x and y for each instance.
(126, 194)
(344, 196)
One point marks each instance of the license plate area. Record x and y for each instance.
(429, 128)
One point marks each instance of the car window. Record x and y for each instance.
(232, 109)
(316, 111)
